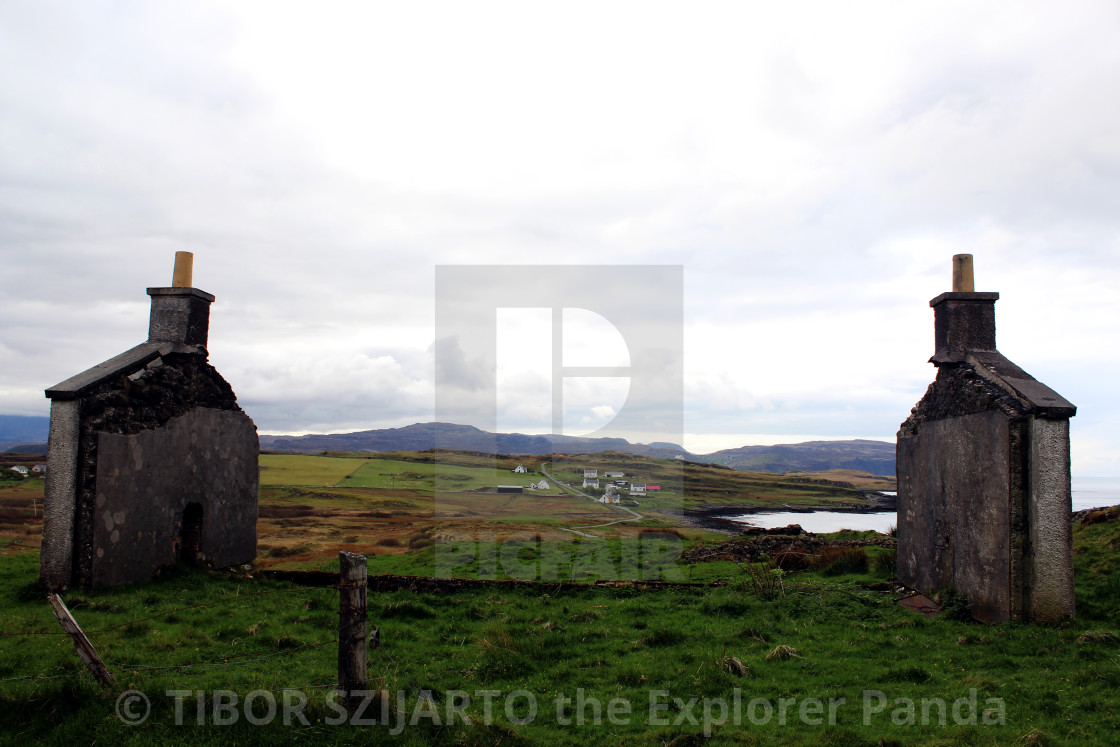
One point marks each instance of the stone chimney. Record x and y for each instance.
(180, 314)
(963, 320)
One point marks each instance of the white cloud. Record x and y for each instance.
(813, 167)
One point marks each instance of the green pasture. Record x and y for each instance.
(301, 469)
(402, 475)
(812, 637)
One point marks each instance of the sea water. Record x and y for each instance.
(1088, 492)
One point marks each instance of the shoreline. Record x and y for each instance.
(714, 517)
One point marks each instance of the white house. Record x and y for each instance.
(636, 488)
(590, 483)
(542, 485)
(590, 474)
(610, 475)
(39, 469)
(20, 469)
(520, 469)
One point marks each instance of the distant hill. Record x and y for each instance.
(19, 447)
(24, 433)
(876, 457)
(24, 428)
(424, 436)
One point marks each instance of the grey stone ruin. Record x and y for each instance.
(984, 503)
(150, 460)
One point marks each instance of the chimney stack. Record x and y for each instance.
(181, 313)
(964, 320)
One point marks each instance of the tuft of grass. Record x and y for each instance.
(407, 609)
(765, 579)
(755, 634)
(283, 551)
(662, 637)
(586, 616)
(1098, 636)
(954, 606)
(1034, 738)
(733, 665)
(782, 652)
(913, 675)
(837, 561)
(884, 562)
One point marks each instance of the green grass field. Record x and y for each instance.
(784, 649)
(812, 642)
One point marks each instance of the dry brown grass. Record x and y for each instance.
(782, 652)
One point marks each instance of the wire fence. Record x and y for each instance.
(187, 669)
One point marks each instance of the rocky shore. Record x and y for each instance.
(712, 517)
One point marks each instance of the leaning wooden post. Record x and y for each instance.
(352, 613)
(81, 643)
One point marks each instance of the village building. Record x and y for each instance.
(520, 469)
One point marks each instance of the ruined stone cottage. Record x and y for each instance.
(984, 503)
(150, 460)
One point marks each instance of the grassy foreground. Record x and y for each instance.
(804, 658)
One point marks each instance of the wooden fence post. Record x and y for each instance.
(81, 643)
(352, 613)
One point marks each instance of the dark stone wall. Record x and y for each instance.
(954, 510)
(976, 486)
(149, 482)
(958, 390)
(145, 399)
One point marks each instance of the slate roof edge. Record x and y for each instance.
(127, 362)
(1041, 399)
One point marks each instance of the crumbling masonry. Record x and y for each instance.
(984, 504)
(150, 460)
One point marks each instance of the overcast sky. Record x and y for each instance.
(812, 167)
